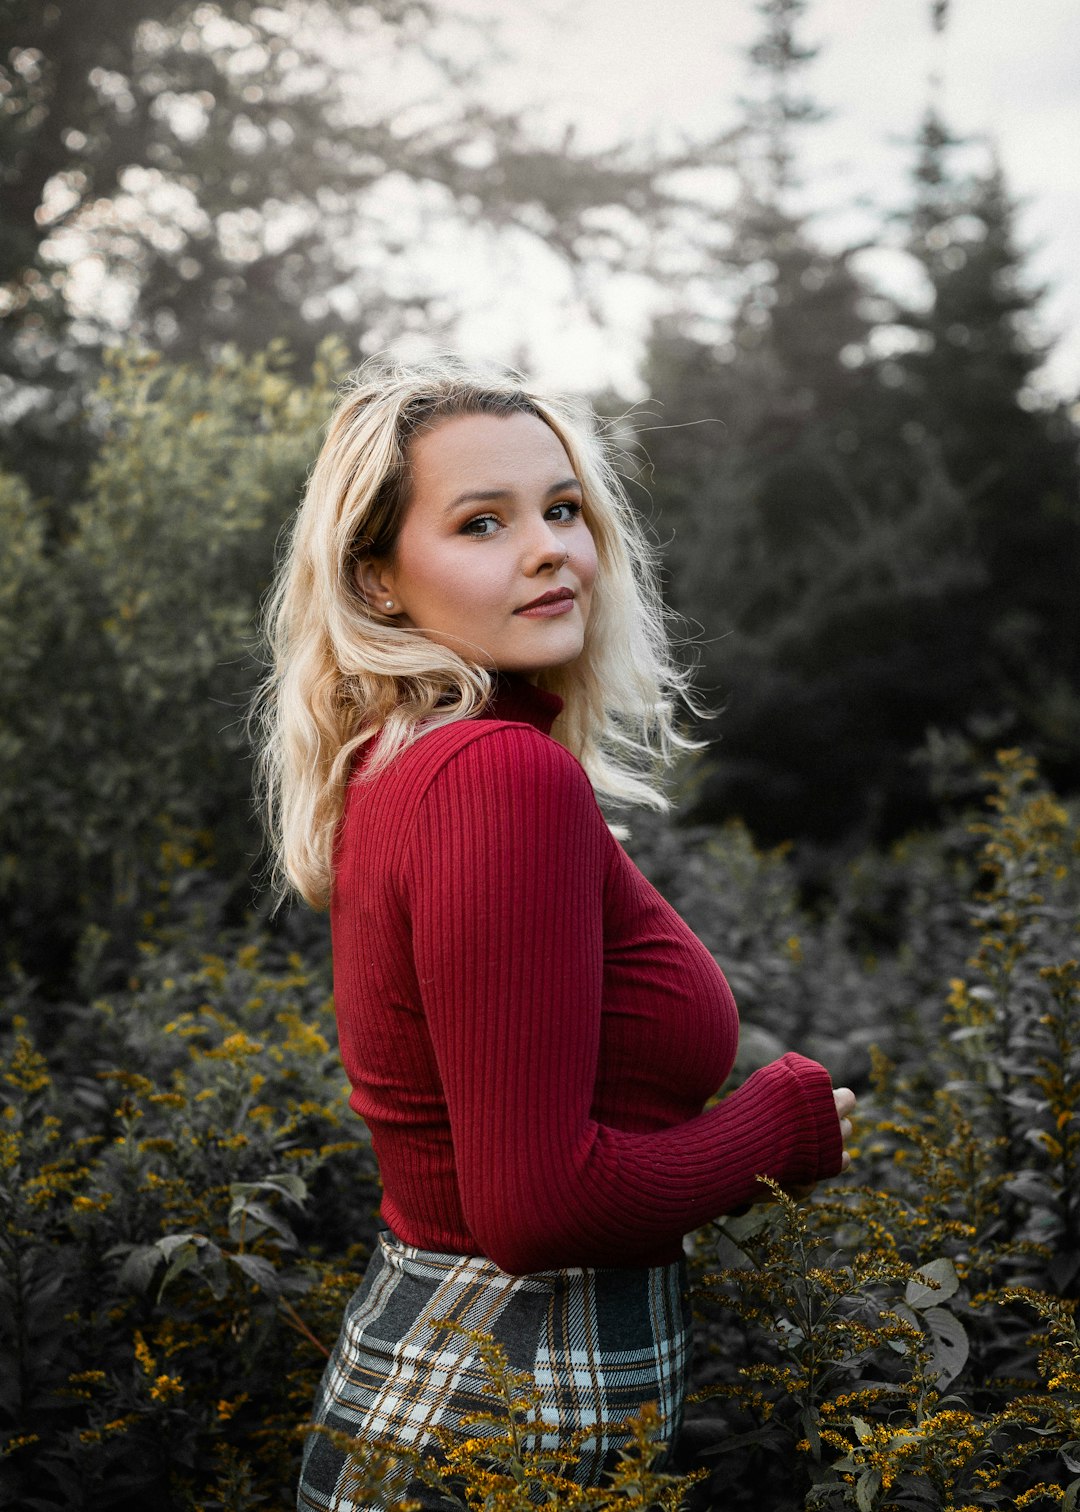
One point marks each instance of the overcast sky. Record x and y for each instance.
(1007, 72)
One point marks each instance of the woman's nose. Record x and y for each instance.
(547, 549)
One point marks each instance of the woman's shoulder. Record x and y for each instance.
(515, 755)
(473, 785)
(461, 751)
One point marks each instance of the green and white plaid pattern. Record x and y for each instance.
(599, 1343)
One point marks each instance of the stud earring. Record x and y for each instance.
(389, 603)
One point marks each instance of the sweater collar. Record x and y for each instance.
(515, 698)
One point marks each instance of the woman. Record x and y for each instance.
(468, 645)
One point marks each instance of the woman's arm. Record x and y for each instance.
(504, 877)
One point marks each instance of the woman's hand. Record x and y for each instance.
(844, 1098)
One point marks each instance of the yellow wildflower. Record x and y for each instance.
(96, 1204)
(21, 1442)
(166, 1387)
(26, 1070)
(167, 1099)
(143, 1354)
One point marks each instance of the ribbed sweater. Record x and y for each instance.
(530, 1030)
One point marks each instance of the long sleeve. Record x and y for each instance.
(504, 876)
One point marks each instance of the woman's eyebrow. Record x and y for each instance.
(493, 495)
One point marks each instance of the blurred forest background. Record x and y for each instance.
(206, 215)
(873, 551)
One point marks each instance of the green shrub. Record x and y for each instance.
(188, 1203)
(180, 1240)
(914, 1337)
(831, 981)
(129, 644)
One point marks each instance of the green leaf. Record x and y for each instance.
(809, 1420)
(866, 1490)
(252, 1218)
(259, 1270)
(138, 1269)
(214, 1272)
(1063, 1267)
(950, 1344)
(863, 1430)
(1072, 1494)
(943, 1272)
(168, 1245)
(184, 1255)
(737, 1441)
(746, 1225)
(294, 1188)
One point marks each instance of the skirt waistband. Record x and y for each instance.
(434, 1265)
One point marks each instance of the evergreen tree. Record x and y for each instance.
(808, 540)
(968, 383)
(772, 396)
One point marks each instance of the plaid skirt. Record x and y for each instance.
(597, 1344)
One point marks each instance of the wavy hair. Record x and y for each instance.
(342, 672)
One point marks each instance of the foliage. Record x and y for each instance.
(133, 643)
(874, 1383)
(179, 1242)
(188, 1205)
(897, 1363)
(193, 173)
(882, 949)
(969, 379)
(1016, 1017)
(873, 541)
(162, 1289)
(252, 117)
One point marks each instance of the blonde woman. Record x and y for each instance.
(468, 648)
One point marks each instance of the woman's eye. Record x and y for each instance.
(570, 505)
(479, 522)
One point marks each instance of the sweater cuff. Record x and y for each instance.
(815, 1091)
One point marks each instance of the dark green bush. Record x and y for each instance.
(913, 1338)
(179, 1240)
(128, 644)
(187, 1204)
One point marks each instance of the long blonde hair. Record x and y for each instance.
(341, 672)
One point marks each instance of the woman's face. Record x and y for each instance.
(493, 523)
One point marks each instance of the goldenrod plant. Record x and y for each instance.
(495, 1460)
(187, 1203)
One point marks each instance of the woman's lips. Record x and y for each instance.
(546, 611)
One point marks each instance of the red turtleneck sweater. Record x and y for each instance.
(530, 1030)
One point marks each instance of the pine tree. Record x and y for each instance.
(813, 570)
(772, 395)
(969, 383)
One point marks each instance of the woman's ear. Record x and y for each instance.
(375, 584)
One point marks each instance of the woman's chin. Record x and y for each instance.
(558, 651)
